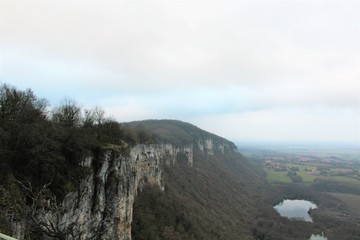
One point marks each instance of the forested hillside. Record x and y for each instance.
(214, 199)
(41, 147)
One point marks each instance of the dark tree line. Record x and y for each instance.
(40, 145)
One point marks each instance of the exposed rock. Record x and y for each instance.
(103, 206)
(211, 146)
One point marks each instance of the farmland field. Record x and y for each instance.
(328, 176)
(277, 176)
(306, 177)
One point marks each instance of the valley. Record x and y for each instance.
(80, 175)
(326, 174)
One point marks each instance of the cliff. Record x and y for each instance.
(102, 208)
(75, 174)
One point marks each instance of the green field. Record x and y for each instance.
(277, 176)
(341, 179)
(306, 177)
(282, 177)
(300, 166)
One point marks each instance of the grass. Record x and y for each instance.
(300, 166)
(281, 176)
(351, 200)
(341, 179)
(277, 176)
(307, 178)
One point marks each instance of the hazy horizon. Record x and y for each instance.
(258, 71)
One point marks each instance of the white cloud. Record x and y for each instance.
(189, 40)
(189, 59)
(128, 112)
(301, 124)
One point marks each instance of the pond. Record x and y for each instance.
(318, 237)
(295, 209)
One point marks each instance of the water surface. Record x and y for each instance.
(318, 237)
(295, 209)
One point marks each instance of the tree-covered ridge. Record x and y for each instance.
(177, 132)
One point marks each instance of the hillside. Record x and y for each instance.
(216, 198)
(176, 132)
(74, 174)
(71, 173)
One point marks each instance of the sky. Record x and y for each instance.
(284, 70)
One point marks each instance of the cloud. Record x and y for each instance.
(189, 41)
(302, 124)
(189, 59)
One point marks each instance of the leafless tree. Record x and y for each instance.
(48, 215)
(68, 114)
(89, 118)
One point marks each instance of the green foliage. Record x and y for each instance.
(306, 177)
(294, 177)
(277, 176)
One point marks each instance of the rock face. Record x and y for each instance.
(211, 146)
(103, 206)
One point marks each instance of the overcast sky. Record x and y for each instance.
(282, 70)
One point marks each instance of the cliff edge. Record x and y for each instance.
(102, 206)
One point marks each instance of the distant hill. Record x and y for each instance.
(214, 199)
(175, 131)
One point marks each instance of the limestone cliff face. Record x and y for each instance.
(211, 146)
(103, 207)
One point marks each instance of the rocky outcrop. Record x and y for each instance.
(211, 146)
(103, 206)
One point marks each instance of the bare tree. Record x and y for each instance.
(99, 116)
(89, 118)
(68, 114)
(16, 105)
(48, 215)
